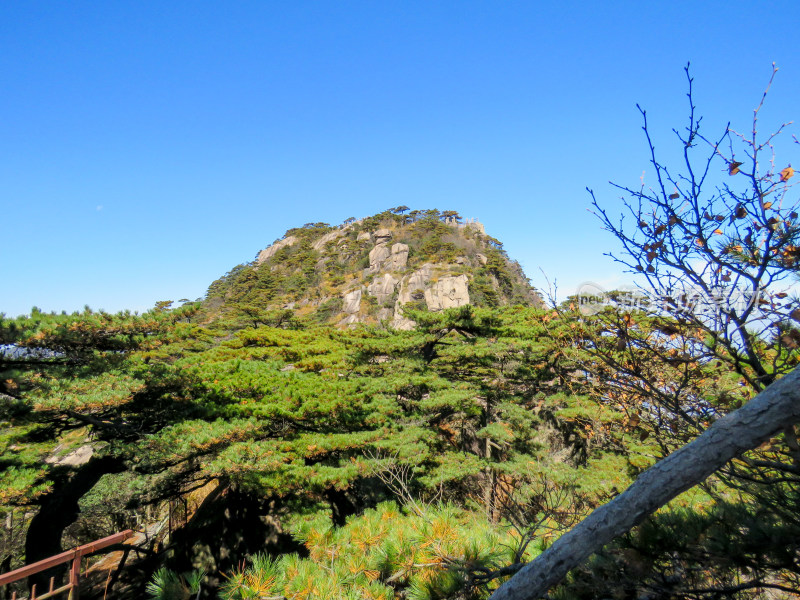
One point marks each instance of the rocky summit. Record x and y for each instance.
(370, 270)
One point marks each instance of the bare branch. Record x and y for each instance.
(742, 430)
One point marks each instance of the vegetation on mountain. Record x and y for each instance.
(311, 268)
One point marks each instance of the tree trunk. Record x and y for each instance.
(763, 417)
(59, 509)
(488, 472)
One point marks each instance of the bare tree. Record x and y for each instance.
(718, 256)
(716, 245)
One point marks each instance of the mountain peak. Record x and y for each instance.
(367, 270)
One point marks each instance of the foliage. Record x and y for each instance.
(660, 558)
(167, 585)
(471, 404)
(430, 555)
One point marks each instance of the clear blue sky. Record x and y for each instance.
(148, 147)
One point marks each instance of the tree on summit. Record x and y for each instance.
(451, 215)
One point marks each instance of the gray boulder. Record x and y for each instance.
(382, 287)
(377, 256)
(382, 236)
(398, 258)
(351, 302)
(447, 292)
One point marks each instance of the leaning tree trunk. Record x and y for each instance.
(58, 509)
(767, 414)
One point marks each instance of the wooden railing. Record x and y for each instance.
(75, 555)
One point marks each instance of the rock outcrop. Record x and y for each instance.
(351, 303)
(383, 258)
(413, 286)
(319, 244)
(377, 256)
(268, 253)
(398, 258)
(383, 288)
(78, 456)
(438, 294)
(447, 292)
(382, 236)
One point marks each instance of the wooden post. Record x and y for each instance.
(74, 578)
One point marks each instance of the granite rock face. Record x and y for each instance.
(269, 252)
(376, 257)
(382, 258)
(385, 314)
(438, 294)
(382, 288)
(79, 456)
(447, 292)
(382, 236)
(401, 322)
(319, 245)
(351, 302)
(399, 257)
(412, 287)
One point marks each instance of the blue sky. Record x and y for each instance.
(148, 147)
